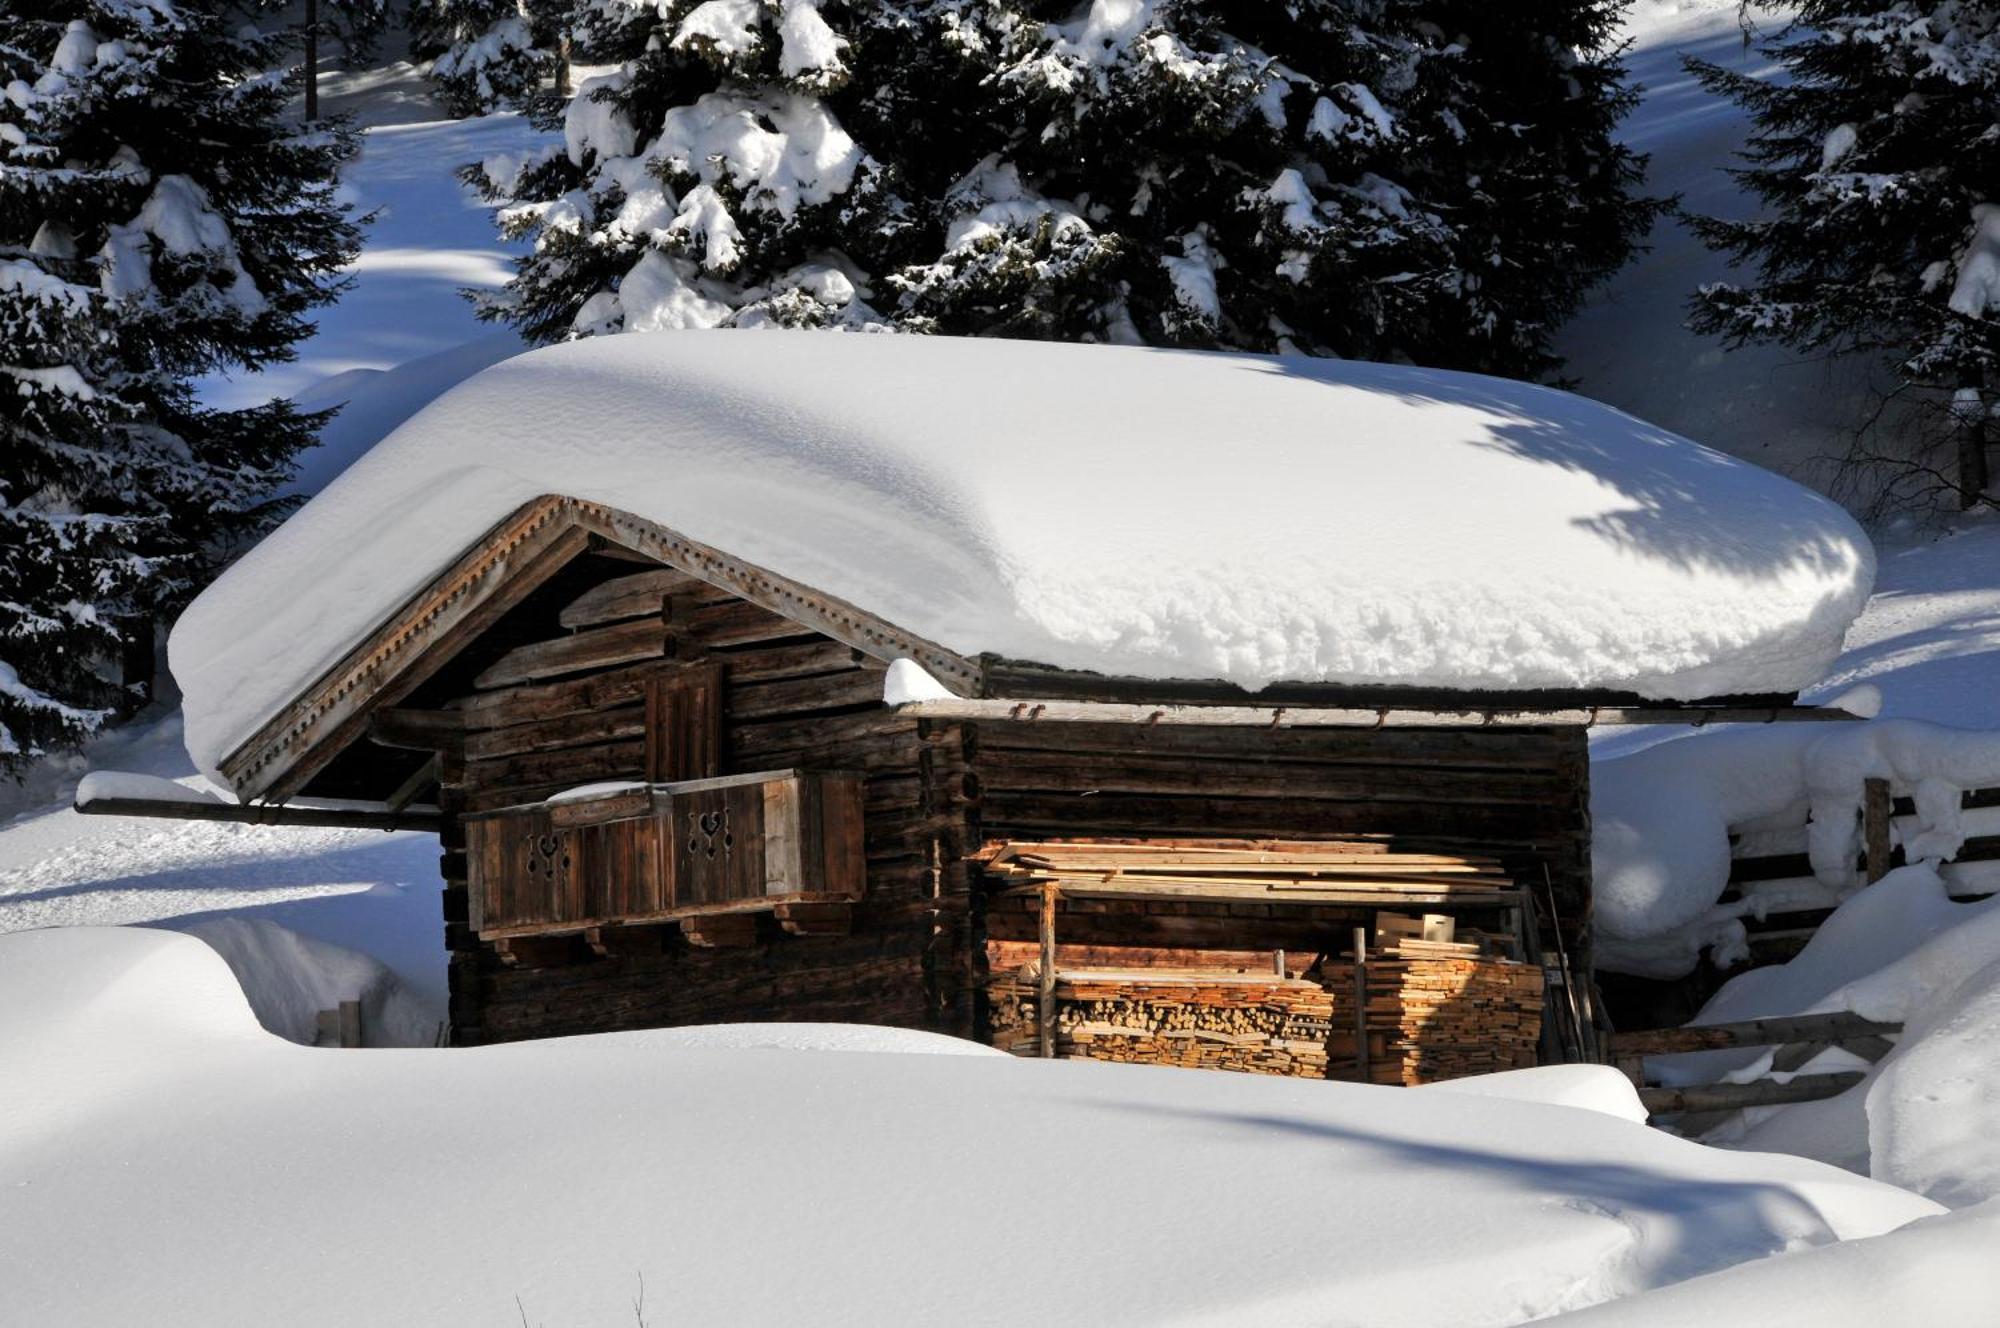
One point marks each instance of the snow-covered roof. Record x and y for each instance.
(1153, 513)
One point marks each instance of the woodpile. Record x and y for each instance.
(1445, 1016)
(1259, 1023)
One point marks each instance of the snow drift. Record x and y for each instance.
(1136, 511)
(1900, 951)
(168, 1162)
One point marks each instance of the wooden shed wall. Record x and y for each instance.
(556, 698)
(792, 698)
(1522, 794)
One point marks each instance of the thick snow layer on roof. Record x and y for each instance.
(1148, 512)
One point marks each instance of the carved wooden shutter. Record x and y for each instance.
(684, 724)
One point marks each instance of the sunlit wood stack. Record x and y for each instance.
(1449, 1016)
(1212, 1020)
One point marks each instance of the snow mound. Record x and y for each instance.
(1939, 1271)
(1136, 511)
(1589, 1087)
(125, 983)
(1900, 951)
(289, 978)
(242, 1179)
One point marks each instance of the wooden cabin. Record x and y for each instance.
(670, 790)
(679, 783)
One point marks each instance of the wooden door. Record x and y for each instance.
(684, 724)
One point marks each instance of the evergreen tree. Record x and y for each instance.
(1431, 180)
(157, 223)
(1878, 155)
(487, 55)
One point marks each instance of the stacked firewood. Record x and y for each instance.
(1210, 1020)
(1447, 1016)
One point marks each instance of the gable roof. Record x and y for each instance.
(1140, 513)
(501, 569)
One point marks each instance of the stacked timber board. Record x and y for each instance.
(1263, 1024)
(1447, 1017)
(1301, 871)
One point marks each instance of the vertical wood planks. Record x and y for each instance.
(684, 724)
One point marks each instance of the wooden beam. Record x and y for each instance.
(815, 609)
(241, 813)
(505, 567)
(417, 730)
(425, 776)
(1045, 1005)
(1757, 1093)
(1875, 810)
(1826, 1029)
(1280, 717)
(515, 557)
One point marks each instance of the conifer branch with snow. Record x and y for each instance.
(1433, 182)
(158, 221)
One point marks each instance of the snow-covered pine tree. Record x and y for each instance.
(1431, 180)
(1878, 156)
(157, 222)
(487, 55)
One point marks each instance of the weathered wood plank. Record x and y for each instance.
(641, 595)
(1170, 774)
(594, 648)
(1830, 1029)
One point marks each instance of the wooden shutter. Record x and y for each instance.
(684, 724)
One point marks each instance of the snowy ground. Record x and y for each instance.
(156, 1135)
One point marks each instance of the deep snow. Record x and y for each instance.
(213, 1174)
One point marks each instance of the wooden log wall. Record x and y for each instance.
(552, 714)
(1522, 795)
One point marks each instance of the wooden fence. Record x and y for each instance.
(1797, 1038)
(1799, 904)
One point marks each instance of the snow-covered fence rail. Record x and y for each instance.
(1788, 903)
(1798, 1040)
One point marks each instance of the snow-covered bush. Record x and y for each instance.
(1879, 163)
(1433, 181)
(158, 221)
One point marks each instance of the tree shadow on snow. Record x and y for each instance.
(1690, 506)
(1704, 1224)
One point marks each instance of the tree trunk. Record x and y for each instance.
(1969, 407)
(312, 59)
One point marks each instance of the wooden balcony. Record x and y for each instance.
(707, 853)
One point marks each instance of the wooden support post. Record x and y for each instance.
(350, 1023)
(1875, 808)
(1361, 1070)
(1045, 1008)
